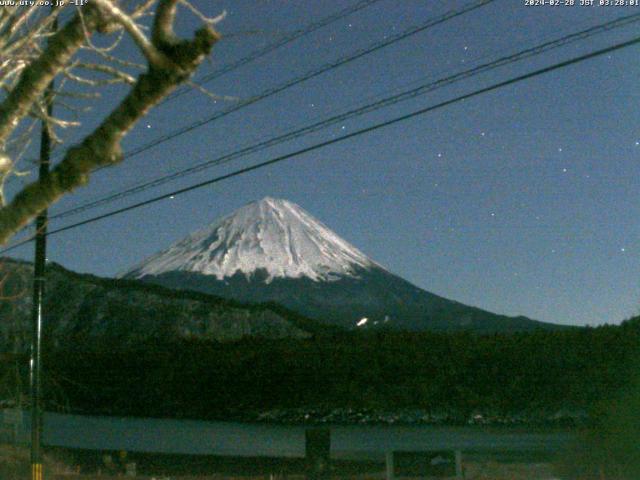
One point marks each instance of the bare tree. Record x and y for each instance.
(31, 56)
(13, 290)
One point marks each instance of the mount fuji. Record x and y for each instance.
(274, 251)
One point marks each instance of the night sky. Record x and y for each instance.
(522, 201)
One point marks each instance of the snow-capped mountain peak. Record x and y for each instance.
(273, 235)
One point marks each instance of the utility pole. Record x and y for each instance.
(36, 317)
(39, 268)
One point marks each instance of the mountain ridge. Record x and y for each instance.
(84, 309)
(273, 250)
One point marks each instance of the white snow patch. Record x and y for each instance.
(271, 234)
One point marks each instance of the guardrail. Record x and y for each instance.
(401, 450)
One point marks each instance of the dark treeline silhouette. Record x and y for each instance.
(523, 374)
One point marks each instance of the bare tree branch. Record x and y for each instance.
(178, 60)
(36, 76)
(116, 74)
(111, 10)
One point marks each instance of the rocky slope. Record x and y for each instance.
(84, 309)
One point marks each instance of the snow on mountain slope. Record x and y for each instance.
(310, 270)
(271, 234)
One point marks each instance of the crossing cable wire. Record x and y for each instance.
(285, 40)
(391, 100)
(301, 32)
(290, 37)
(309, 75)
(620, 22)
(362, 131)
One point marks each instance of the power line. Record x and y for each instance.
(274, 46)
(292, 36)
(285, 40)
(311, 74)
(412, 93)
(342, 138)
(133, 188)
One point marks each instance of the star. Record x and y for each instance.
(564, 170)
(482, 134)
(560, 149)
(439, 155)
(637, 143)
(148, 125)
(623, 249)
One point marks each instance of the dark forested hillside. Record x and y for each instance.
(83, 309)
(524, 377)
(125, 348)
